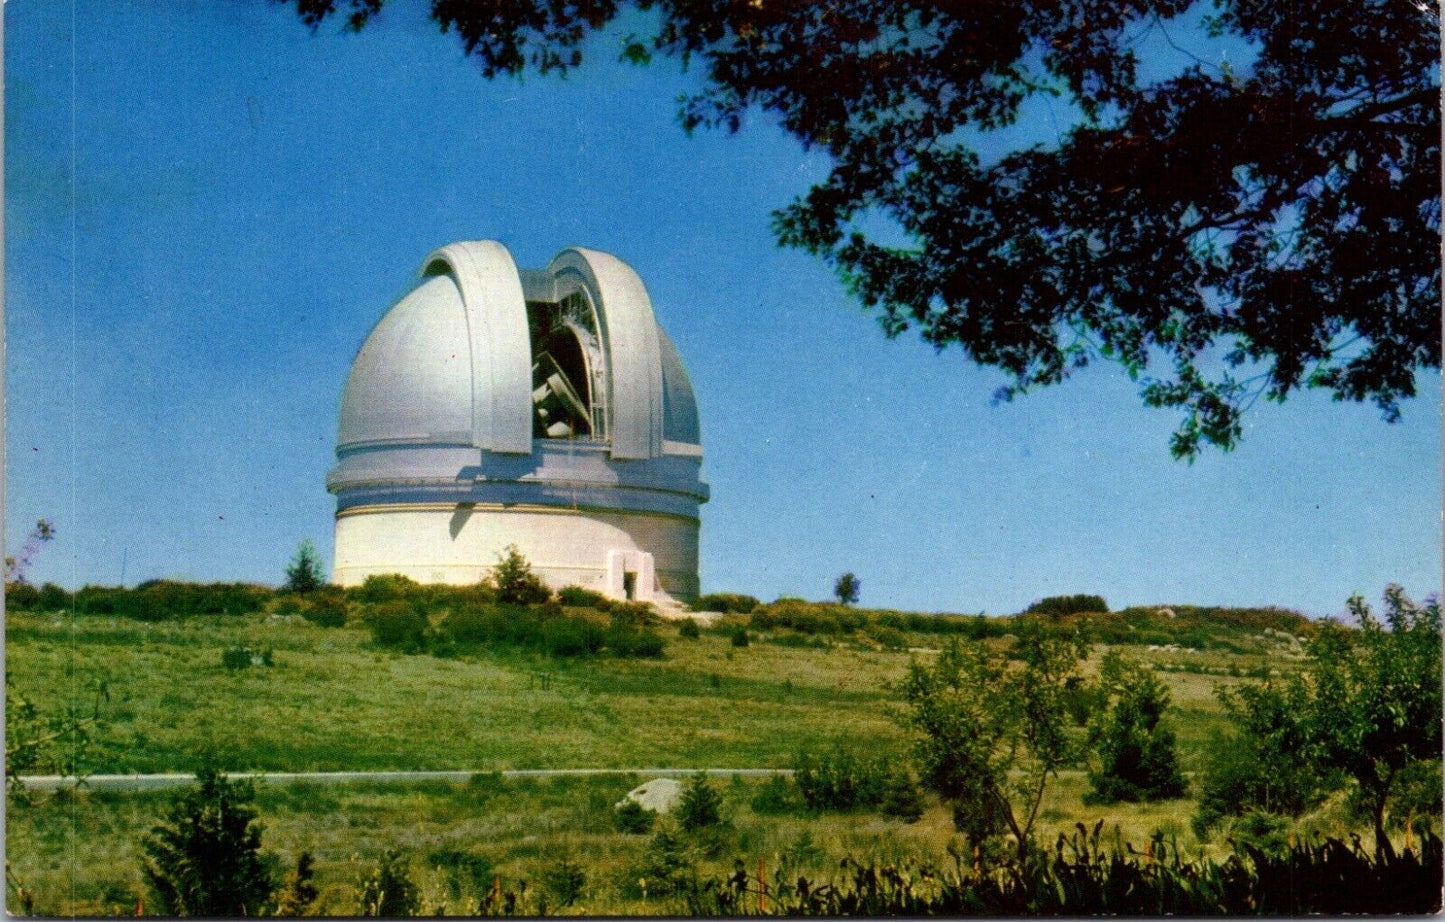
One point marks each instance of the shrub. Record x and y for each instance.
(21, 596)
(727, 603)
(52, 598)
(570, 637)
(889, 639)
(700, 806)
(689, 629)
(634, 643)
(669, 866)
(327, 610)
(463, 871)
(205, 859)
(514, 580)
(397, 625)
(162, 600)
(633, 818)
(386, 587)
(236, 657)
(1261, 832)
(902, 799)
(387, 890)
(578, 597)
(777, 795)
(1058, 605)
(839, 780)
(1263, 764)
(740, 637)
(471, 627)
(298, 892)
(633, 614)
(564, 881)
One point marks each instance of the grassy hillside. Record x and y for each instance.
(333, 701)
(812, 677)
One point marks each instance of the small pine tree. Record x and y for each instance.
(299, 891)
(1136, 752)
(514, 581)
(205, 859)
(304, 574)
(565, 881)
(701, 806)
(847, 588)
(633, 818)
(387, 891)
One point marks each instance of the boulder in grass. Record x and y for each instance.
(659, 795)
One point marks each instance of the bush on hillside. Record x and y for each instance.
(689, 629)
(728, 603)
(514, 580)
(397, 625)
(163, 600)
(632, 642)
(840, 780)
(21, 596)
(739, 637)
(1136, 751)
(326, 609)
(700, 806)
(577, 597)
(52, 598)
(386, 587)
(387, 891)
(808, 617)
(777, 795)
(571, 637)
(1263, 763)
(564, 880)
(1057, 605)
(632, 818)
(902, 798)
(205, 859)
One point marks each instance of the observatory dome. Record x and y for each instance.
(546, 409)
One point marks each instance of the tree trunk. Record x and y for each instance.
(1383, 848)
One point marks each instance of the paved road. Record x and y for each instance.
(154, 782)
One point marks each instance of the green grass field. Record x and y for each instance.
(332, 702)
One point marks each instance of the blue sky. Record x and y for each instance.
(192, 267)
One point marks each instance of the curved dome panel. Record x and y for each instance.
(496, 317)
(679, 423)
(412, 380)
(630, 336)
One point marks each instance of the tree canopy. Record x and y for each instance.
(1223, 232)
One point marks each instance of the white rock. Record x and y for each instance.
(659, 795)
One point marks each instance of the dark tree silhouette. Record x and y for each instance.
(206, 859)
(1250, 231)
(847, 588)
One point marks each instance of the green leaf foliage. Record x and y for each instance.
(1283, 214)
(991, 728)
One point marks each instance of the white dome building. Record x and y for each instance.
(546, 409)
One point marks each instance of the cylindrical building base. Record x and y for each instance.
(644, 556)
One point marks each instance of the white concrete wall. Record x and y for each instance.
(440, 543)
